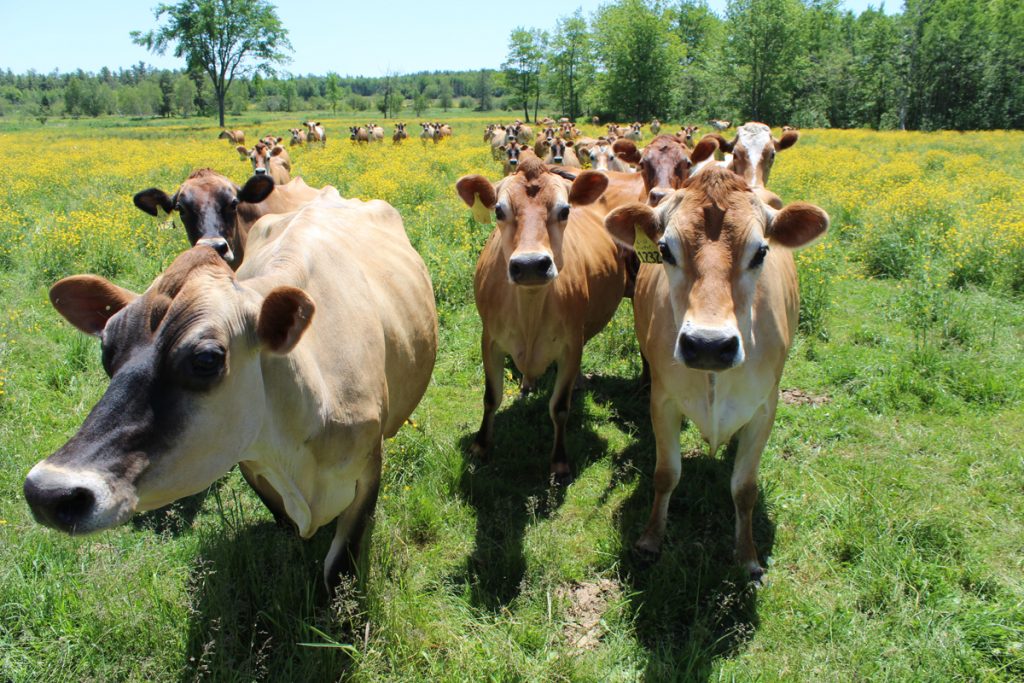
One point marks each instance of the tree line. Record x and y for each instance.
(936, 64)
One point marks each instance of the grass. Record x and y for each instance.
(891, 512)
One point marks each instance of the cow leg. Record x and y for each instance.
(665, 422)
(751, 440)
(343, 556)
(494, 386)
(561, 399)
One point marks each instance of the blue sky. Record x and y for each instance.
(401, 35)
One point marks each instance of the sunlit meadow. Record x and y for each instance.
(892, 508)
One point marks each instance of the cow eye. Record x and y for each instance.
(666, 253)
(563, 214)
(758, 259)
(207, 362)
(499, 213)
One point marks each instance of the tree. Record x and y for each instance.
(333, 91)
(419, 104)
(185, 95)
(227, 39)
(482, 90)
(390, 102)
(444, 94)
(522, 66)
(166, 107)
(570, 63)
(74, 97)
(700, 33)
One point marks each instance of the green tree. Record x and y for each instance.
(701, 34)
(482, 90)
(419, 104)
(185, 96)
(166, 107)
(333, 91)
(74, 97)
(227, 39)
(522, 66)
(570, 63)
(1004, 64)
(444, 94)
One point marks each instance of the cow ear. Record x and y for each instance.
(285, 314)
(626, 150)
(479, 194)
(768, 197)
(624, 222)
(256, 189)
(152, 199)
(587, 188)
(787, 140)
(89, 301)
(569, 143)
(796, 225)
(705, 149)
(723, 144)
(276, 151)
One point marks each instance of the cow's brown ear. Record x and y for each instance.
(796, 225)
(89, 301)
(624, 222)
(587, 188)
(256, 189)
(242, 152)
(705, 149)
(285, 314)
(723, 144)
(626, 150)
(787, 140)
(277, 151)
(152, 199)
(473, 187)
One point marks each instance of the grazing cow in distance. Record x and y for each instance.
(786, 129)
(399, 134)
(753, 154)
(273, 161)
(634, 133)
(234, 137)
(359, 134)
(595, 120)
(719, 124)
(496, 140)
(686, 134)
(217, 213)
(442, 131)
(615, 131)
(298, 136)
(655, 126)
(315, 132)
(715, 320)
(296, 377)
(428, 131)
(546, 282)
(375, 132)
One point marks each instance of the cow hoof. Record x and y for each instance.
(757, 575)
(561, 475)
(478, 450)
(647, 549)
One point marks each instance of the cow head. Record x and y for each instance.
(714, 236)
(532, 208)
(664, 164)
(260, 156)
(753, 151)
(185, 398)
(208, 204)
(298, 135)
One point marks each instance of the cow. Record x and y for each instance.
(496, 140)
(595, 120)
(271, 141)
(359, 134)
(298, 137)
(615, 131)
(719, 124)
(686, 134)
(786, 129)
(753, 154)
(655, 126)
(547, 281)
(603, 158)
(524, 134)
(234, 137)
(427, 133)
(399, 134)
(664, 164)
(442, 131)
(273, 161)
(375, 132)
(514, 154)
(716, 320)
(218, 213)
(562, 153)
(634, 133)
(543, 145)
(296, 377)
(315, 132)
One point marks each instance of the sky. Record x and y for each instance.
(400, 36)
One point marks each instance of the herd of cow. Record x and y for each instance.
(278, 342)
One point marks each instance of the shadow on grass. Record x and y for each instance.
(512, 488)
(692, 605)
(176, 518)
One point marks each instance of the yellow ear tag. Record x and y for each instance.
(646, 250)
(481, 214)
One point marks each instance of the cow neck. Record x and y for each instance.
(711, 396)
(530, 303)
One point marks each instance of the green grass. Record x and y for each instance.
(891, 514)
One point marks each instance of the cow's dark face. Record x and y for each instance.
(185, 398)
(208, 205)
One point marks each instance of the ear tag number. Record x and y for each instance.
(646, 250)
(481, 214)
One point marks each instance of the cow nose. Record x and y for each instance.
(260, 171)
(709, 349)
(60, 507)
(531, 269)
(558, 160)
(218, 244)
(655, 196)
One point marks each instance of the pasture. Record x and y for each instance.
(891, 513)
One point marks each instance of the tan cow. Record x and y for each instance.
(719, 124)
(715, 320)
(514, 154)
(603, 158)
(296, 377)
(399, 133)
(753, 154)
(562, 153)
(664, 164)
(217, 213)
(359, 134)
(655, 126)
(234, 137)
(496, 140)
(273, 161)
(548, 279)
(634, 133)
(298, 137)
(375, 132)
(315, 132)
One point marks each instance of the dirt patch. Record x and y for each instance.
(588, 602)
(799, 397)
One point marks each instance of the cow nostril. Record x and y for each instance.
(73, 506)
(260, 171)
(514, 270)
(727, 351)
(655, 197)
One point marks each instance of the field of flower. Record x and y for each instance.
(892, 503)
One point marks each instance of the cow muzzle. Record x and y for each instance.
(709, 348)
(260, 171)
(531, 269)
(219, 245)
(77, 501)
(657, 194)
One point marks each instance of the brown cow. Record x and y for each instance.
(359, 134)
(296, 376)
(399, 134)
(514, 154)
(218, 213)
(298, 136)
(715, 320)
(655, 126)
(753, 154)
(315, 132)
(561, 153)
(548, 279)
(603, 158)
(234, 137)
(664, 164)
(271, 160)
